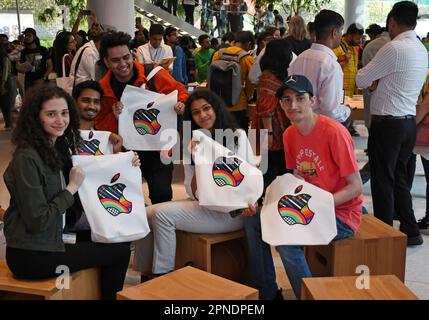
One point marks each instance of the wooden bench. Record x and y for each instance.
(223, 254)
(189, 284)
(376, 245)
(384, 287)
(84, 285)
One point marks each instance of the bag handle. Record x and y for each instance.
(77, 66)
(153, 73)
(64, 66)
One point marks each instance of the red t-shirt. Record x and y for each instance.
(324, 158)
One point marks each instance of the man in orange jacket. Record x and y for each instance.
(116, 54)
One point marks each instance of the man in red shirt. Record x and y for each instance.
(116, 54)
(321, 151)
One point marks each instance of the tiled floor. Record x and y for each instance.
(417, 277)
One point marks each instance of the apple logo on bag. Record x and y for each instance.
(295, 209)
(90, 147)
(226, 172)
(145, 121)
(112, 198)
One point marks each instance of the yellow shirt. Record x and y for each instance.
(246, 64)
(350, 68)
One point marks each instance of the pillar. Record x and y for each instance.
(119, 14)
(354, 11)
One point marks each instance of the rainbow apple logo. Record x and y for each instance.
(145, 120)
(90, 147)
(226, 172)
(112, 198)
(294, 209)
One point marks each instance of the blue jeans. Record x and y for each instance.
(261, 260)
(295, 263)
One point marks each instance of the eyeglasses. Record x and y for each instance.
(205, 108)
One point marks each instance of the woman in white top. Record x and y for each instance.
(207, 111)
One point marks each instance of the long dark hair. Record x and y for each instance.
(224, 118)
(30, 133)
(277, 58)
(60, 49)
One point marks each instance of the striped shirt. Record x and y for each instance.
(400, 66)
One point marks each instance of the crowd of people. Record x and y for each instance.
(297, 80)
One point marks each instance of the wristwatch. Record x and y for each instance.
(270, 133)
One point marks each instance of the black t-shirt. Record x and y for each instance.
(119, 87)
(298, 46)
(37, 58)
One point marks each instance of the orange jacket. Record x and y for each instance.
(164, 83)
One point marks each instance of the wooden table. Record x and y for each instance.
(384, 287)
(189, 284)
(356, 104)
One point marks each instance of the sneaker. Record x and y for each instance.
(423, 226)
(415, 241)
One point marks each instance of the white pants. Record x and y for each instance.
(165, 218)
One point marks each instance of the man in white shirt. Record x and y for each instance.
(154, 51)
(395, 75)
(319, 64)
(86, 58)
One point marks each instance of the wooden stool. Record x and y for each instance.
(376, 245)
(385, 287)
(84, 285)
(189, 284)
(223, 254)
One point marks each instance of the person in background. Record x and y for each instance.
(64, 51)
(214, 44)
(244, 41)
(187, 46)
(179, 65)
(311, 31)
(297, 35)
(203, 57)
(395, 76)
(189, 7)
(42, 183)
(319, 64)
(5, 73)
(35, 61)
(373, 31)
(278, 19)
(140, 38)
(154, 51)
(227, 40)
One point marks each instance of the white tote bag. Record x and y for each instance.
(112, 198)
(225, 181)
(148, 120)
(64, 82)
(95, 143)
(296, 212)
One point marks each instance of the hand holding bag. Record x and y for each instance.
(112, 198)
(296, 212)
(225, 181)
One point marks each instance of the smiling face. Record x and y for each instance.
(120, 61)
(297, 106)
(54, 117)
(88, 104)
(203, 114)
